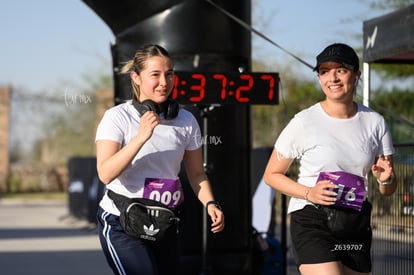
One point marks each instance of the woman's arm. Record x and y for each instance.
(111, 160)
(200, 184)
(275, 177)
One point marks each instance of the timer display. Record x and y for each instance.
(226, 88)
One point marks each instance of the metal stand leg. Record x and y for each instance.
(206, 270)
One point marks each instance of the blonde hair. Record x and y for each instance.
(137, 64)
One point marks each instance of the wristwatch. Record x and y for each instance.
(216, 203)
(387, 182)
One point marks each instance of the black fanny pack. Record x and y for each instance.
(144, 218)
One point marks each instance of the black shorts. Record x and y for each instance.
(316, 241)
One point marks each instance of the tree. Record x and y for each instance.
(61, 125)
(294, 96)
(399, 112)
(71, 131)
(393, 4)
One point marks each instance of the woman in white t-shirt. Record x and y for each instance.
(140, 146)
(337, 143)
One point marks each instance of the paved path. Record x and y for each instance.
(40, 238)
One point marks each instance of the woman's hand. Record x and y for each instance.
(217, 218)
(148, 121)
(322, 193)
(382, 170)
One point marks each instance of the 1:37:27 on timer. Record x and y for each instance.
(226, 88)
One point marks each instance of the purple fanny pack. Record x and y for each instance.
(350, 188)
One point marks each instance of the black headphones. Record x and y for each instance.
(171, 107)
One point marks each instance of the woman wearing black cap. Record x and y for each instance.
(337, 143)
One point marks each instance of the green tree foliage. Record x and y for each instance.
(395, 71)
(394, 4)
(70, 131)
(268, 121)
(397, 106)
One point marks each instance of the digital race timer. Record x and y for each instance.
(226, 88)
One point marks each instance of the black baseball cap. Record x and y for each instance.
(339, 53)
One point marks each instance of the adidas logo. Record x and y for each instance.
(151, 231)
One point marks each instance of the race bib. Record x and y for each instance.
(350, 188)
(166, 191)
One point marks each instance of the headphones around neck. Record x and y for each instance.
(171, 107)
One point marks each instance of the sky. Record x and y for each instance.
(45, 43)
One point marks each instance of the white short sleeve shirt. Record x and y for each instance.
(161, 155)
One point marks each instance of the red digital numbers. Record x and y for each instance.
(225, 88)
(200, 88)
(238, 93)
(244, 88)
(223, 80)
(271, 92)
(174, 93)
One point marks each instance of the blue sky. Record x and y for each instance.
(46, 43)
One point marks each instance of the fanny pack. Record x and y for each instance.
(144, 218)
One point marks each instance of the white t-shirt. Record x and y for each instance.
(324, 143)
(159, 157)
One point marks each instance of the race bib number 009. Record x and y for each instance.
(350, 188)
(166, 191)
